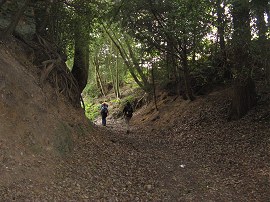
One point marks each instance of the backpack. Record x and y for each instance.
(104, 110)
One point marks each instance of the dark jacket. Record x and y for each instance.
(128, 110)
(104, 110)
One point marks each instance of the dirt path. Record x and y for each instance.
(139, 168)
(181, 164)
(154, 164)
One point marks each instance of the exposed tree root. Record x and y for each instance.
(54, 69)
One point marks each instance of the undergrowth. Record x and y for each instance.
(91, 110)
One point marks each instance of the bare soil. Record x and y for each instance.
(187, 151)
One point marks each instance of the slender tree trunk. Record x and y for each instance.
(221, 36)
(261, 25)
(186, 73)
(173, 69)
(154, 86)
(118, 95)
(15, 20)
(221, 24)
(187, 82)
(178, 83)
(181, 84)
(267, 10)
(126, 60)
(136, 64)
(260, 7)
(109, 65)
(194, 52)
(170, 61)
(98, 77)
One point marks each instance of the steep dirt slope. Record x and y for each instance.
(36, 125)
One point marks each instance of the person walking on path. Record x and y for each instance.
(127, 111)
(104, 112)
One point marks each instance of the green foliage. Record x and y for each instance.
(92, 110)
(116, 101)
(149, 33)
(91, 90)
(129, 81)
(69, 62)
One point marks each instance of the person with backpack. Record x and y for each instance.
(104, 112)
(127, 111)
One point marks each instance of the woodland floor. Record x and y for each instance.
(195, 155)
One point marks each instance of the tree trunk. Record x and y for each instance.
(118, 95)
(43, 18)
(109, 65)
(98, 77)
(188, 88)
(136, 64)
(244, 97)
(15, 20)
(54, 22)
(221, 24)
(241, 37)
(81, 60)
(154, 85)
(173, 70)
(267, 10)
(260, 7)
(126, 60)
(186, 74)
(170, 61)
(221, 37)
(181, 86)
